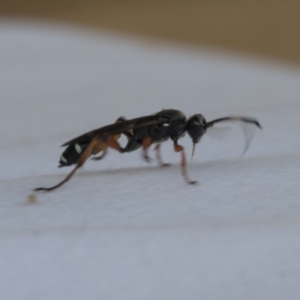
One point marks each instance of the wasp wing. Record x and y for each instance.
(117, 128)
(218, 133)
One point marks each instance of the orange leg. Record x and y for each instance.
(100, 156)
(85, 155)
(179, 148)
(112, 143)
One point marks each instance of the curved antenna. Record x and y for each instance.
(247, 130)
(235, 118)
(248, 134)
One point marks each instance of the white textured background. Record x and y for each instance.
(123, 229)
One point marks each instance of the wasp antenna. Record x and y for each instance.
(234, 118)
(258, 124)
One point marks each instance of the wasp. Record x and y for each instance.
(141, 133)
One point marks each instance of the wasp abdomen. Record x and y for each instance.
(71, 155)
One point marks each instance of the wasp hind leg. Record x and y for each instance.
(101, 156)
(84, 156)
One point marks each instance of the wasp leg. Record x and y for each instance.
(112, 143)
(158, 156)
(128, 134)
(85, 155)
(100, 156)
(179, 148)
(147, 141)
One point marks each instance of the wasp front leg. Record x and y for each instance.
(179, 148)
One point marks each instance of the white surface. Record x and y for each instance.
(122, 229)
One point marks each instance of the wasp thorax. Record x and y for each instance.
(196, 127)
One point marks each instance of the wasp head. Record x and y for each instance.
(196, 128)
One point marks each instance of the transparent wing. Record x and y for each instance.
(218, 133)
